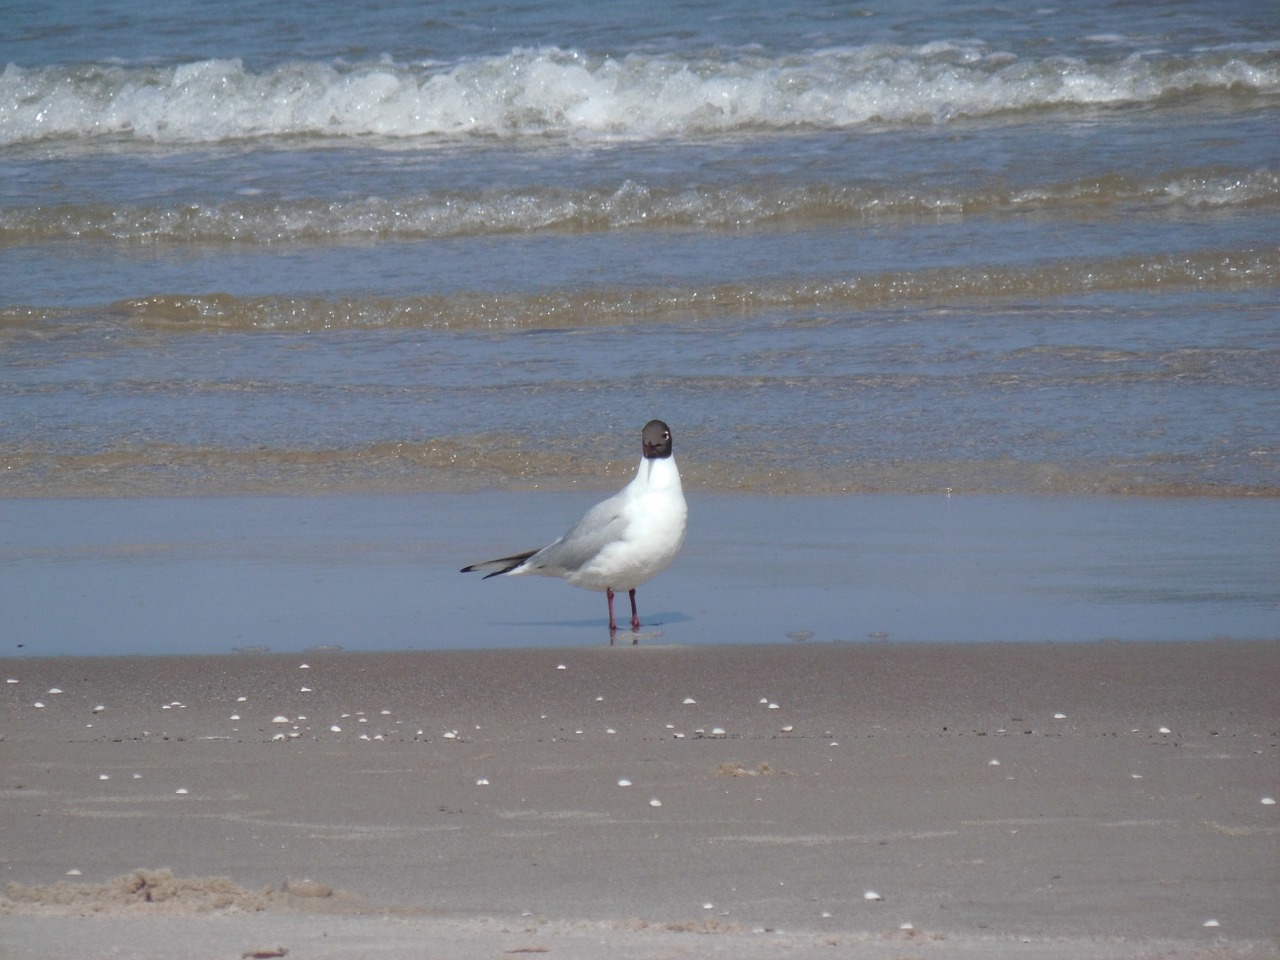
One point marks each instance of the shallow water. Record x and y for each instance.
(213, 575)
(405, 254)
(839, 249)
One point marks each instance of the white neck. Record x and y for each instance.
(659, 473)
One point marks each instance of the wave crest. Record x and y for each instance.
(552, 92)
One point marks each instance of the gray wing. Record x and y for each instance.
(600, 526)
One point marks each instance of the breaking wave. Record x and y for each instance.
(550, 92)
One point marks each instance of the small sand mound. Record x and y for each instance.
(159, 891)
(738, 770)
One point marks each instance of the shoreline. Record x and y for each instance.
(1021, 800)
(369, 572)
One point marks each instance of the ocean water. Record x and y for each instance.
(1023, 263)
(840, 247)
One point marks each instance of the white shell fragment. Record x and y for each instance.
(689, 700)
(1212, 923)
(1059, 716)
(655, 802)
(335, 729)
(38, 705)
(73, 872)
(99, 708)
(482, 782)
(1165, 730)
(55, 690)
(182, 791)
(280, 719)
(871, 895)
(1269, 801)
(624, 782)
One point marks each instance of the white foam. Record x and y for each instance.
(548, 91)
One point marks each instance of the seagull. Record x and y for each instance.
(621, 542)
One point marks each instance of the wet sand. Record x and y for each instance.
(915, 800)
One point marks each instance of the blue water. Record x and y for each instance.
(844, 249)
(218, 575)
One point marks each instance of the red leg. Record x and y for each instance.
(613, 624)
(635, 616)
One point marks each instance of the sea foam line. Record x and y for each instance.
(552, 92)
(628, 206)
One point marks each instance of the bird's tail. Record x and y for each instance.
(501, 566)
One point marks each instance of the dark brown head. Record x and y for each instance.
(657, 440)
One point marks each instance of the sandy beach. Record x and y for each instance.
(883, 800)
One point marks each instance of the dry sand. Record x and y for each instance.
(870, 800)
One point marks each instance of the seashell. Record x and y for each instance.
(655, 802)
(624, 782)
(689, 700)
(871, 895)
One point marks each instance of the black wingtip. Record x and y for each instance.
(508, 564)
